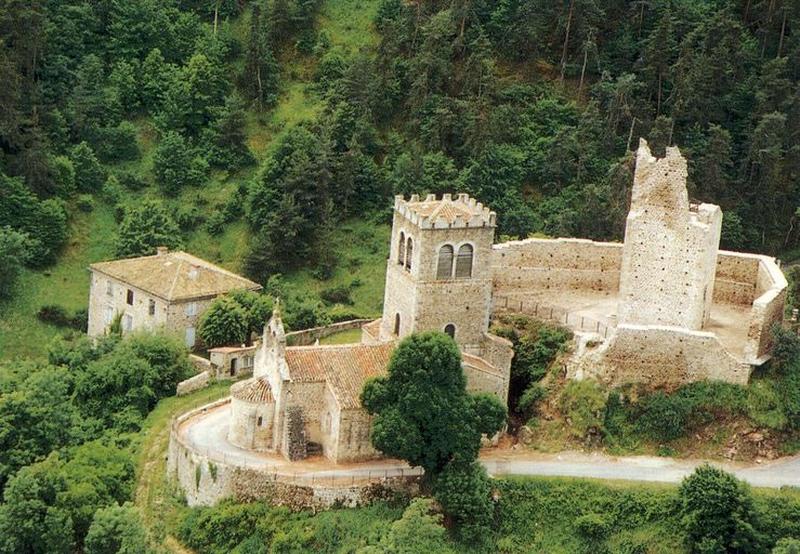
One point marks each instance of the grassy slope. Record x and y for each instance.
(348, 26)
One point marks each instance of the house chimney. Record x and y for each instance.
(161, 250)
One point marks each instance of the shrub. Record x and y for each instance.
(593, 527)
(89, 174)
(787, 546)
(189, 217)
(216, 223)
(664, 418)
(532, 395)
(15, 250)
(63, 176)
(583, 402)
(117, 143)
(336, 295)
(131, 180)
(717, 512)
(116, 530)
(85, 203)
(54, 315)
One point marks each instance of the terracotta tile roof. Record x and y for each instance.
(344, 367)
(253, 390)
(445, 209)
(174, 276)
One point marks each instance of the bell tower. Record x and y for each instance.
(438, 275)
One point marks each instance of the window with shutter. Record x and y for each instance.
(444, 267)
(464, 262)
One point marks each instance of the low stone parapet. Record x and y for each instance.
(307, 337)
(199, 381)
(207, 477)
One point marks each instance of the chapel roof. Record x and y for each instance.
(344, 367)
(174, 275)
(255, 390)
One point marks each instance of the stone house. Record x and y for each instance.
(169, 290)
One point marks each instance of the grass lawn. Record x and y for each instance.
(344, 337)
(156, 498)
(348, 23)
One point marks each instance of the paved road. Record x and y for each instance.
(207, 433)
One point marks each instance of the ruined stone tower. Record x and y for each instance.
(670, 254)
(438, 275)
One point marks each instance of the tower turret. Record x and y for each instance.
(438, 273)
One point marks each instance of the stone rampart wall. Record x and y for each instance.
(519, 267)
(206, 480)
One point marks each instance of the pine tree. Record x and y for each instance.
(259, 80)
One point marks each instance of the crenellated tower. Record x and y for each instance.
(438, 275)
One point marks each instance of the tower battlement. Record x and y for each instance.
(449, 212)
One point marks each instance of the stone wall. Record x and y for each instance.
(308, 337)
(736, 278)
(108, 293)
(525, 266)
(661, 357)
(205, 480)
(199, 381)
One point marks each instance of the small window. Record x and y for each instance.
(127, 323)
(409, 253)
(401, 249)
(444, 267)
(464, 262)
(109, 315)
(450, 330)
(189, 337)
(397, 324)
(260, 420)
(129, 298)
(191, 308)
(109, 288)
(151, 308)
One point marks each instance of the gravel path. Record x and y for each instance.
(207, 433)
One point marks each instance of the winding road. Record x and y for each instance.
(207, 433)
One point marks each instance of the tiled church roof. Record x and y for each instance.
(253, 390)
(344, 367)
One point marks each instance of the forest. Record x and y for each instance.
(270, 136)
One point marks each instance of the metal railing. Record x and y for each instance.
(505, 304)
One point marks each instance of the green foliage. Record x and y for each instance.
(89, 174)
(175, 165)
(583, 402)
(144, 228)
(224, 323)
(14, 253)
(117, 143)
(423, 413)
(463, 489)
(787, 546)
(232, 319)
(718, 513)
(536, 345)
(420, 529)
(116, 530)
(60, 317)
(43, 221)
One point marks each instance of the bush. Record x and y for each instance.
(54, 315)
(131, 180)
(593, 527)
(584, 402)
(89, 174)
(15, 250)
(116, 530)
(787, 546)
(717, 512)
(533, 394)
(189, 217)
(117, 143)
(216, 223)
(85, 203)
(664, 418)
(337, 295)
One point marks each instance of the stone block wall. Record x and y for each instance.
(660, 357)
(736, 278)
(206, 481)
(521, 267)
(199, 381)
(308, 337)
(100, 300)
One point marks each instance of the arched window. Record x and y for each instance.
(464, 262)
(444, 267)
(401, 249)
(397, 324)
(409, 253)
(450, 329)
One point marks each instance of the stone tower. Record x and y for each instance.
(669, 257)
(271, 355)
(438, 275)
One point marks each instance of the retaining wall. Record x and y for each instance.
(206, 478)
